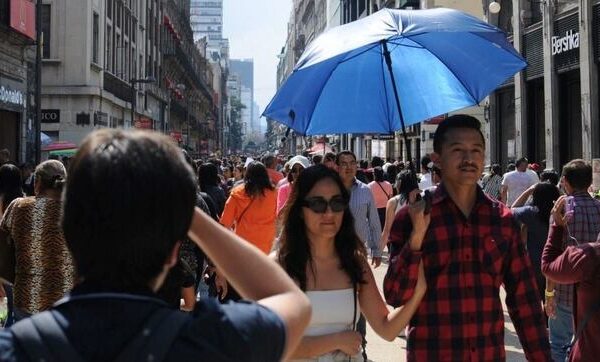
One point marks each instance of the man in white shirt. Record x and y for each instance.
(517, 181)
(425, 182)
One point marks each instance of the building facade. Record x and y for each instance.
(17, 79)
(206, 19)
(549, 112)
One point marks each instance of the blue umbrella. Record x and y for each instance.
(392, 69)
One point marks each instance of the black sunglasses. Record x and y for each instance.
(319, 205)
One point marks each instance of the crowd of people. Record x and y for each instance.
(133, 242)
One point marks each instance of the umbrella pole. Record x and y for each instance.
(388, 62)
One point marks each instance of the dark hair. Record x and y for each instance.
(344, 153)
(129, 198)
(550, 176)
(364, 164)
(329, 156)
(377, 161)
(543, 197)
(257, 179)
(316, 159)
(425, 160)
(378, 174)
(294, 254)
(496, 169)
(268, 160)
(521, 161)
(452, 122)
(208, 175)
(578, 173)
(10, 184)
(408, 182)
(510, 167)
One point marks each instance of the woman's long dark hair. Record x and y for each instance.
(543, 197)
(408, 182)
(10, 184)
(208, 176)
(294, 254)
(256, 180)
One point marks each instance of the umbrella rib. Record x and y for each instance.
(387, 105)
(356, 55)
(475, 101)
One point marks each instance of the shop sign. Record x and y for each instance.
(11, 96)
(385, 136)
(143, 123)
(50, 115)
(22, 17)
(176, 136)
(568, 42)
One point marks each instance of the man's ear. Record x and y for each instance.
(173, 256)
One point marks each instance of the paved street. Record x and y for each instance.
(380, 350)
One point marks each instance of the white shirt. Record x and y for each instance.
(425, 182)
(516, 182)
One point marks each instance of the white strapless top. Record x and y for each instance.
(331, 313)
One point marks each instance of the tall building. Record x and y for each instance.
(244, 68)
(206, 18)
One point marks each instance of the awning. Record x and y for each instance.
(319, 148)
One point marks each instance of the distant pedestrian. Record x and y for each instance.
(517, 181)
(382, 191)
(492, 182)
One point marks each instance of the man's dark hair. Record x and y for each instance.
(452, 122)
(497, 169)
(317, 159)
(520, 161)
(329, 156)
(578, 173)
(425, 161)
(129, 198)
(344, 153)
(378, 174)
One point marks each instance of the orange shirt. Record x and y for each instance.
(257, 224)
(275, 176)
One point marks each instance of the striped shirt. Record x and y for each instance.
(491, 185)
(583, 227)
(366, 219)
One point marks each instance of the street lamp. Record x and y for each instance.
(494, 7)
(133, 82)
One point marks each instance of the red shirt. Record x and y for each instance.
(466, 260)
(577, 264)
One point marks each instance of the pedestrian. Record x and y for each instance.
(517, 181)
(382, 191)
(270, 163)
(125, 242)
(296, 165)
(535, 218)
(321, 251)
(576, 264)
(425, 181)
(44, 269)
(583, 227)
(469, 245)
(405, 183)
(329, 160)
(209, 181)
(492, 182)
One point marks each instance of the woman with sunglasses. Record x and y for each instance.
(320, 250)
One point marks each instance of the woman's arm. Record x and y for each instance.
(520, 201)
(279, 294)
(387, 323)
(390, 213)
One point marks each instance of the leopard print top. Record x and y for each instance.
(44, 269)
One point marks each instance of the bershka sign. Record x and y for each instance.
(11, 96)
(568, 42)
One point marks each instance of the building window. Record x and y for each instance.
(109, 9)
(95, 37)
(109, 49)
(45, 21)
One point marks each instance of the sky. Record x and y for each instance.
(257, 29)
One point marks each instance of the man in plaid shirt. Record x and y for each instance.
(470, 245)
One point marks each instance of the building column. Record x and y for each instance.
(550, 89)
(520, 89)
(589, 83)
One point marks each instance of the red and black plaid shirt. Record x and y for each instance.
(466, 261)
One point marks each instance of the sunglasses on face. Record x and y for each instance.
(319, 205)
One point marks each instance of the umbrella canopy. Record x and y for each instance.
(441, 60)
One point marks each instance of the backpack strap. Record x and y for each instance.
(43, 339)
(157, 335)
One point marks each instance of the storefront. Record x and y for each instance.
(535, 148)
(12, 109)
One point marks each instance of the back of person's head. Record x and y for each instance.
(543, 196)
(208, 175)
(294, 254)
(496, 169)
(364, 164)
(378, 174)
(406, 182)
(317, 159)
(454, 122)
(522, 163)
(550, 176)
(257, 179)
(578, 174)
(329, 156)
(425, 161)
(4, 155)
(10, 184)
(129, 198)
(269, 161)
(51, 175)
(189, 161)
(377, 161)
(391, 173)
(510, 167)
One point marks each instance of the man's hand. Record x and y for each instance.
(376, 261)
(420, 220)
(550, 307)
(558, 211)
